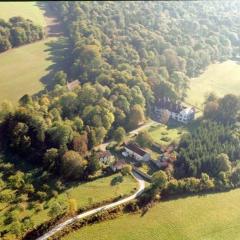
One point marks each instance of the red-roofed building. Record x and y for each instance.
(72, 85)
(133, 150)
(118, 165)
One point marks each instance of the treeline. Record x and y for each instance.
(165, 42)
(18, 31)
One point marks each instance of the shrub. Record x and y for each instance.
(41, 195)
(165, 139)
(6, 196)
(54, 193)
(38, 207)
(126, 170)
(116, 180)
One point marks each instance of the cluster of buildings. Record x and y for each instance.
(175, 110)
(131, 150)
(139, 155)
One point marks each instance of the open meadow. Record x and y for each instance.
(86, 193)
(221, 78)
(23, 68)
(29, 10)
(208, 217)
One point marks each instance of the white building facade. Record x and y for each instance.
(133, 150)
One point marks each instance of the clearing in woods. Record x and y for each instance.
(221, 78)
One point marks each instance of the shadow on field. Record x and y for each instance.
(190, 195)
(53, 28)
(58, 54)
(57, 48)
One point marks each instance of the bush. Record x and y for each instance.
(116, 180)
(165, 139)
(164, 133)
(54, 193)
(41, 195)
(6, 196)
(59, 185)
(126, 170)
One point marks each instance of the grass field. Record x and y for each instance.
(161, 132)
(28, 10)
(85, 194)
(221, 78)
(209, 217)
(21, 70)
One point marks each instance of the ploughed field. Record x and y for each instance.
(207, 217)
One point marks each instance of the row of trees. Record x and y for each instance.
(18, 31)
(164, 185)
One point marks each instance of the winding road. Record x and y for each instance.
(60, 226)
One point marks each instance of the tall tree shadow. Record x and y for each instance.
(58, 51)
(58, 47)
(53, 28)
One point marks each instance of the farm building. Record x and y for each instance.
(176, 110)
(72, 85)
(118, 165)
(133, 150)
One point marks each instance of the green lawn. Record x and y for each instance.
(21, 70)
(85, 194)
(222, 78)
(161, 132)
(209, 217)
(28, 10)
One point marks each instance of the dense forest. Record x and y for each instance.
(18, 31)
(153, 45)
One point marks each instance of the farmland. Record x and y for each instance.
(84, 194)
(218, 217)
(221, 78)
